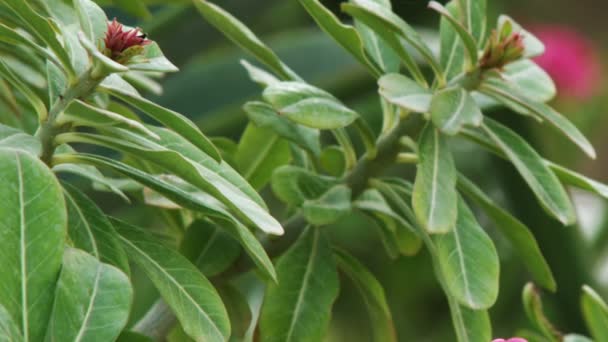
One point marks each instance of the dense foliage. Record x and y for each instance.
(72, 82)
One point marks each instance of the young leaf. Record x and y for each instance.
(263, 115)
(523, 242)
(467, 39)
(320, 113)
(435, 196)
(243, 37)
(330, 207)
(452, 54)
(172, 120)
(260, 152)
(468, 261)
(92, 300)
(405, 93)
(502, 91)
(345, 35)
(90, 230)
(209, 248)
(533, 47)
(194, 301)
(373, 295)
(595, 312)
(298, 308)
(453, 108)
(34, 225)
(530, 165)
(533, 307)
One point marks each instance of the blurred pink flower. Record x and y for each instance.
(570, 59)
(513, 339)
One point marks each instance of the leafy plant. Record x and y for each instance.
(68, 264)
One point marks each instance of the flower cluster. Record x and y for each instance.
(502, 48)
(122, 44)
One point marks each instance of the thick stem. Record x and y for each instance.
(49, 129)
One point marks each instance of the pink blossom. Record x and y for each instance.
(570, 59)
(512, 339)
(118, 40)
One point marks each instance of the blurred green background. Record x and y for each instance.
(212, 86)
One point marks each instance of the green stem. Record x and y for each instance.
(368, 138)
(349, 151)
(49, 129)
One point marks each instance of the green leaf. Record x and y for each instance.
(284, 94)
(10, 329)
(576, 179)
(94, 175)
(17, 38)
(130, 336)
(298, 308)
(329, 208)
(469, 261)
(345, 35)
(373, 295)
(523, 242)
(405, 93)
(467, 39)
(41, 27)
(507, 94)
(260, 152)
(238, 310)
(93, 20)
(152, 59)
(195, 201)
(258, 75)
(172, 120)
(209, 248)
(595, 312)
(320, 113)
(265, 116)
(530, 165)
(82, 113)
(90, 230)
(392, 22)
(577, 338)
(533, 307)
(470, 325)
(194, 301)
(243, 37)
(13, 138)
(452, 108)
(333, 161)
(33, 99)
(294, 185)
(475, 19)
(377, 49)
(92, 300)
(529, 78)
(452, 55)
(435, 196)
(134, 7)
(34, 225)
(533, 47)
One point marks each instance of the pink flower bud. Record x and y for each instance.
(118, 40)
(512, 339)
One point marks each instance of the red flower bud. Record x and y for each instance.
(502, 49)
(118, 40)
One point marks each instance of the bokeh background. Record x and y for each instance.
(212, 87)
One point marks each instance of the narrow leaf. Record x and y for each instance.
(452, 54)
(468, 40)
(452, 108)
(320, 113)
(405, 93)
(475, 18)
(595, 312)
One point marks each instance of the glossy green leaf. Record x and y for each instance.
(172, 120)
(595, 312)
(329, 208)
(41, 27)
(467, 39)
(469, 262)
(452, 54)
(532, 46)
(93, 20)
(152, 59)
(34, 225)
(501, 90)
(260, 152)
(13, 138)
(91, 231)
(393, 23)
(284, 94)
(199, 202)
(294, 185)
(475, 19)
(523, 242)
(345, 35)
(405, 93)
(530, 165)
(263, 115)
(298, 308)
(533, 307)
(452, 108)
(92, 300)
(435, 196)
(258, 75)
(190, 295)
(320, 113)
(209, 248)
(529, 78)
(576, 179)
(373, 295)
(10, 329)
(243, 37)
